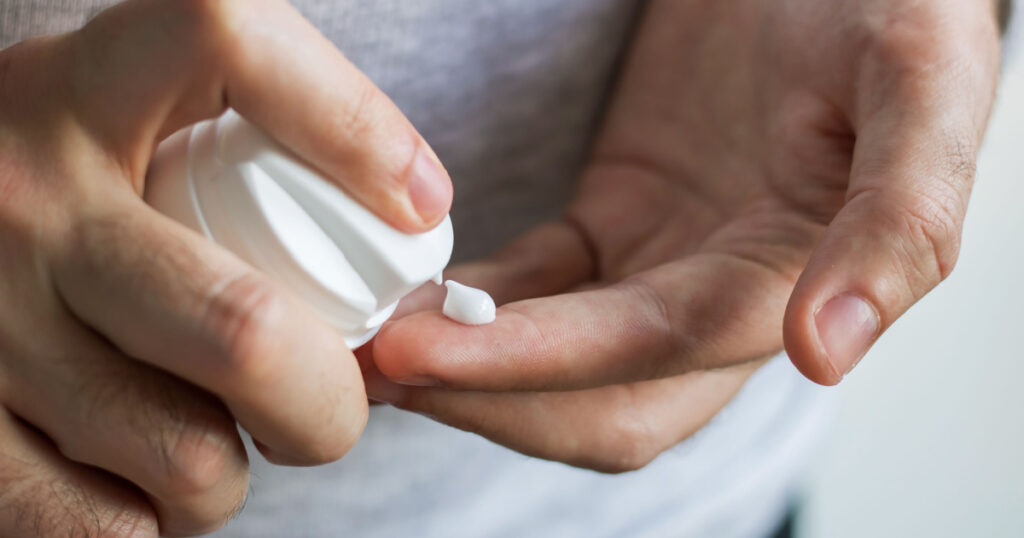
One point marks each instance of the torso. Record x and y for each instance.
(508, 92)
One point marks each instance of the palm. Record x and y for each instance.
(743, 158)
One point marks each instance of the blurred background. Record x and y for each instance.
(928, 434)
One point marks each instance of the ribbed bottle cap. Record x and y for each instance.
(251, 195)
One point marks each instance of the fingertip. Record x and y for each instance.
(800, 338)
(428, 349)
(404, 349)
(430, 188)
(406, 187)
(326, 446)
(354, 413)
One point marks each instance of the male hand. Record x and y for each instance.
(768, 173)
(129, 346)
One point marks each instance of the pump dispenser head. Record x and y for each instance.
(231, 182)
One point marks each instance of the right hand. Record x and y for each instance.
(129, 345)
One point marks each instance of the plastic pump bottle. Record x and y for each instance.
(229, 181)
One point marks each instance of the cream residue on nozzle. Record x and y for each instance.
(468, 305)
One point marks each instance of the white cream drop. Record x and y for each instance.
(468, 305)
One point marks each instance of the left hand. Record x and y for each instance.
(767, 172)
(611, 429)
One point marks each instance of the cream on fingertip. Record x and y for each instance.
(467, 305)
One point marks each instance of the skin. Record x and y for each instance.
(758, 160)
(130, 346)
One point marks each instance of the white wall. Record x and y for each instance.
(929, 437)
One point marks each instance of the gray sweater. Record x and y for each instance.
(508, 92)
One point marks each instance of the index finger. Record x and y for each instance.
(167, 297)
(705, 311)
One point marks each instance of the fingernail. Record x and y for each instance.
(419, 381)
(847, 325)
(429, 187)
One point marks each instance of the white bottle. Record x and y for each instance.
(229, 181)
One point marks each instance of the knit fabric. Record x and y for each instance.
(508, 92)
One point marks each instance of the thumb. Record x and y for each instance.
(898, 234)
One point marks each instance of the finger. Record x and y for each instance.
(665, 322)
(548, 259)
(164, 64)
(178, 444)
(898, 234)
(43, 494)
(164, 295)
(610, 429)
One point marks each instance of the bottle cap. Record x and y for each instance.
(231, 182)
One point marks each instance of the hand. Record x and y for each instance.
(129, 346)
(767, 173)
(616, 428)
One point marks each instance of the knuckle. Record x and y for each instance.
(210, 15)
(665, 354)
(179, 445)
(241, 316)
(631, 443)
(915, 38)
(932, 224)
(958, 164)
(200, 456)
(214, 23)
(86, 246)
(360, 117)
(129, 523)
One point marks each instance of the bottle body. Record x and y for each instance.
(232, 183)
